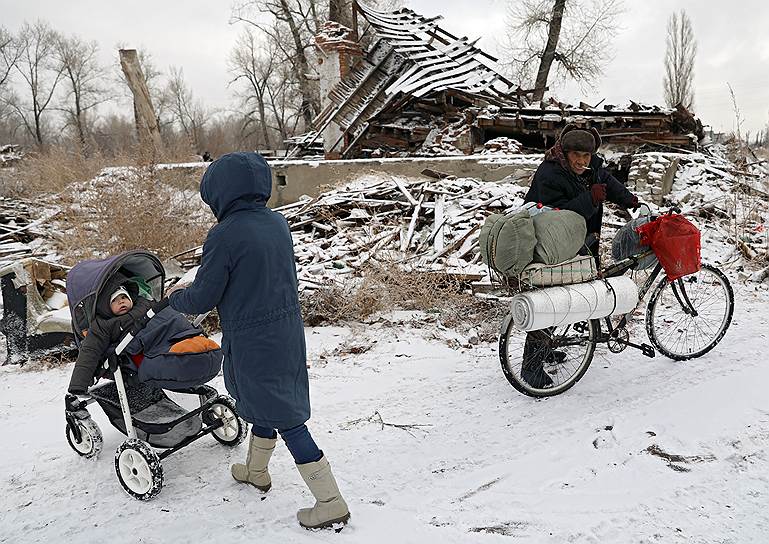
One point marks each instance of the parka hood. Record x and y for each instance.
(236, 181)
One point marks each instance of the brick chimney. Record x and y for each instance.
(338, 52)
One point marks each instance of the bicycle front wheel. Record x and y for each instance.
(546, 362)
(687, 317)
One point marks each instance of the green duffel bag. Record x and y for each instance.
(560, 235)
(506, 242)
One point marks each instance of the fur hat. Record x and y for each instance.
(117, 292)
(577, 139)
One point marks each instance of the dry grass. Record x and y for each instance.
(133, 210)
(49, 360)
(52, 170)
(387, 287)
(55, 169)
(136, 207)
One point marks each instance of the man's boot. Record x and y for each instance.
(535, 351)
(330, 507)
(255, 472)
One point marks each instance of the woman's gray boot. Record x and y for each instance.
(330, 507)
(255, 472)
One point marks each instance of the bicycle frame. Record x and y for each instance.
(618, 269)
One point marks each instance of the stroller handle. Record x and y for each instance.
(140, 323)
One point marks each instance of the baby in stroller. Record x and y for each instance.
(127, 333)
(167, 336)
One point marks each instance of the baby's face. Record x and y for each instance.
(121, 305)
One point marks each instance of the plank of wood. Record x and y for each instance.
(440, 220)
(478, 207)
(405, 191)
(412, 224)
(460, 239)
(30, 225)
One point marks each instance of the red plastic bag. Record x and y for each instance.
(676, 243)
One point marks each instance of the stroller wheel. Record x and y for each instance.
(90, 441)
(233, 429)
(138, 469)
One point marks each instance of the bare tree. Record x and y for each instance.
(41, 72)
(573, 35)
(152, 77)
(83, 77)
(291, 28)
(9, 55)
(679, 61)
(252, 65)
(283, 93)
(187, 111)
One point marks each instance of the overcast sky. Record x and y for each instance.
(732, 36)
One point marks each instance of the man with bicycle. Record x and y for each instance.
(572, 177)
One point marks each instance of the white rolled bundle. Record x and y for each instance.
(567, 304)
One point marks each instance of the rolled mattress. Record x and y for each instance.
(567, 304)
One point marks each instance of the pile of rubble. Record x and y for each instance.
(433, 223)
(421, 224)
(502, 146)
(24, 229)
(10, 155)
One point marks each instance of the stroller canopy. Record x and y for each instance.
(87, 278)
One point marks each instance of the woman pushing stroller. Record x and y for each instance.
(248, 273)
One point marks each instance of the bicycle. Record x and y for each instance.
(684, 319)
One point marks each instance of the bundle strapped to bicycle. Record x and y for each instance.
(687, 314)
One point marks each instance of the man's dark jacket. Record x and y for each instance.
(555, 185)
(248, 273)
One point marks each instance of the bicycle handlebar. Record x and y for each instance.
(653, 216)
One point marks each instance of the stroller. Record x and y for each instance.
(140, 409)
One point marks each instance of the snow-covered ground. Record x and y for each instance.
(476, 462)
(429, 442)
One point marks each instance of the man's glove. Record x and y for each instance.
(634, 204)
(598, 192)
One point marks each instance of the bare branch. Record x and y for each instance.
(572, 37)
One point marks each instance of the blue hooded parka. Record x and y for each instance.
(248, 273)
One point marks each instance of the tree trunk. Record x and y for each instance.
(301, 66)
(38, 131)
(339, 11)
(263, 121)
(80, 122)
(147, 123)
(37, 113)
(548, 55)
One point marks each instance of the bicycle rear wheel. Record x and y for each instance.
(564, 352)
(686, 318)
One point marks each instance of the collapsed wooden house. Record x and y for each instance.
(420, 89)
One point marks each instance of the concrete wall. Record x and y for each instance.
(293, 178)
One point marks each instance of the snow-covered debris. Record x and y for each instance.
(502, 146)
(424, 224)
(10, 154)
(728, 202)
(26, 229)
